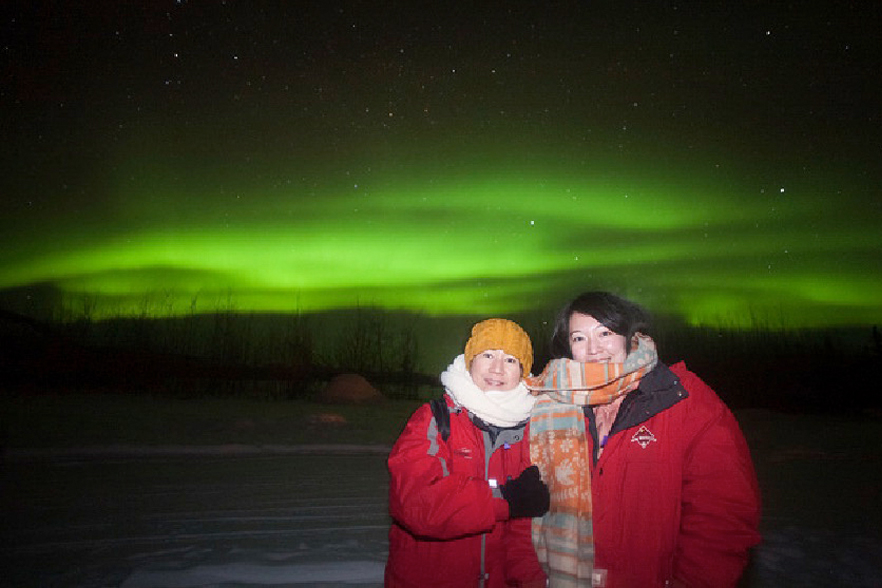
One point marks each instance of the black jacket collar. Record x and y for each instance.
(659, 390)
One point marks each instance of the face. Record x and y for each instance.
(494, 369)
(591, 341)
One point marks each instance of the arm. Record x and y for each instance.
(427, 495)
(720, 497)
(521, 562)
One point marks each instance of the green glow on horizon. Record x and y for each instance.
(476, 245)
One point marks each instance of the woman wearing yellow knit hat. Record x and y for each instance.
(462, 491)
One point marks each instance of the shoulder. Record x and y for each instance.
(703, 409)
(699, 391)
(677, 393)
(423, 412)
(419, 420)
(440, 409)
(420, 430)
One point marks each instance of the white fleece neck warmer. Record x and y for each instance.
(504, 409)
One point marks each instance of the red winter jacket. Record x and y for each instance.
(449, 528)
(674, 491)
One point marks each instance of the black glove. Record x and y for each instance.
(527, 495)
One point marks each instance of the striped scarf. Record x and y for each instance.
(564, 538)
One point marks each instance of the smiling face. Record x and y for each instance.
(494, 369)
(590, 341)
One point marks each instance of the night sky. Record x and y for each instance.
(715, 160)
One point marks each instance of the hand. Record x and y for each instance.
(527, 495)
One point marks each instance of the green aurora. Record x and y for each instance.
(721, 166)
(499, 244)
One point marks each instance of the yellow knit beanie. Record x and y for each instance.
(502, 334)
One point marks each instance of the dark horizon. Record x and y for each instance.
(287, 356)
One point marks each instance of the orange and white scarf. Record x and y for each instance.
(564, 538)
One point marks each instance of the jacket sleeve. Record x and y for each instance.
(521, 562)
(720, 496)
(522, 566)
(429, 499)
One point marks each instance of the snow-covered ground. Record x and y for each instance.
(195, 520)
(275, 517)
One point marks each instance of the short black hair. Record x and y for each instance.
(617, 314)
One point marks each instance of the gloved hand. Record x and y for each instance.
(527, 495)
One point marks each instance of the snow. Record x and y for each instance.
(362, 573)
(272, 516)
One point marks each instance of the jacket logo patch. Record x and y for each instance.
(643, 437)
(464, 452)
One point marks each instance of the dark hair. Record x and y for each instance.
(620, 316)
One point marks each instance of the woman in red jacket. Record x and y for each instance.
(461, 490)
(651, 480)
